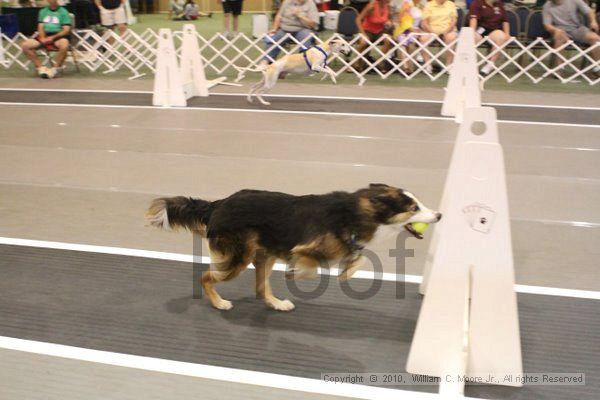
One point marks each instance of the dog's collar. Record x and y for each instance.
(306, 60)
(355, 247)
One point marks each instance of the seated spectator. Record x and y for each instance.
(563, 23)
(299, 18)
(53, 33)
(408, 22)
(176, 7)
(373, 22)
(439, 19)
(488, 18)
(191, 12)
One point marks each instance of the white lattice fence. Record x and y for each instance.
(136, 53)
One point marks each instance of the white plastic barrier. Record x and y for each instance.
(518, 61)
(2, 59)
(468, 325)
(463, 85)
(174, 85)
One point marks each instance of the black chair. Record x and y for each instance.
(347, 27)
(534, 27)
(514, 23)
(523, 14)
(460, 18)
(9, 25)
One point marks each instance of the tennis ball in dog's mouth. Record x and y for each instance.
(420, 227)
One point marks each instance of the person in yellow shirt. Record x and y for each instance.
(408, 21)
(439, 19)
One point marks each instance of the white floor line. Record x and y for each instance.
(303, 96)
(321, 113)
(224, 374)
(386, 276)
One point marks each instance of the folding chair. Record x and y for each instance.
(523, 15)
(347, 27)
(514, 23)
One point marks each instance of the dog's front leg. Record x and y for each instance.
(349, 267)
(326, 70)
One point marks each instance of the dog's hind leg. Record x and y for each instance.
(254, 88)
(224, 267)
(264, 266)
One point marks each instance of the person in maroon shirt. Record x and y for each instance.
(488, 18)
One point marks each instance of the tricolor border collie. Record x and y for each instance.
(259, 227)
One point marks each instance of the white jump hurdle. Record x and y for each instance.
(462, 91)
(174, 85)
(468, 325)
(2, 59)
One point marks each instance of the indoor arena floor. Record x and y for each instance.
(81, 160)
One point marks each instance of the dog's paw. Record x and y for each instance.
(223, 305)
(281, 305)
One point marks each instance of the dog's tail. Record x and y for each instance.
(180, 212)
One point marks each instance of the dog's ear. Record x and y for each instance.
(378, 185)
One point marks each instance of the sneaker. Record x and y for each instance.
(43, 72)
(487, 69)
(419, 59)
(429, 69)
(52, 72)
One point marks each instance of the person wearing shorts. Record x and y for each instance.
(408, 22)
(488, 18)
(233, 7)
(439, 19)
(562, 21)
(53, 32)
(112, 13)
(373, 22)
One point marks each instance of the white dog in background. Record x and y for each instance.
(308, 62)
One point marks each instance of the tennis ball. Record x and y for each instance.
(420, 227)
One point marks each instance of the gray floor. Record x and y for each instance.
(145, 307)
(322, 105)
(85, 175)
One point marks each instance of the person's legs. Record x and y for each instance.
(426, 39)
(270, 41)
(559, 38)
(227, 11)
(448, 39)
(29, 47)
(386, 47)
(63, 46)
(225, 19)
(235, 23)
(304, 37)
(591, 38)
(120, 19)
(236, 11)
(121, 28)
(498, 38)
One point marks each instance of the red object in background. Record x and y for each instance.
(323, 6)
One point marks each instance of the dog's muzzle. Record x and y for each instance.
(437, 217)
